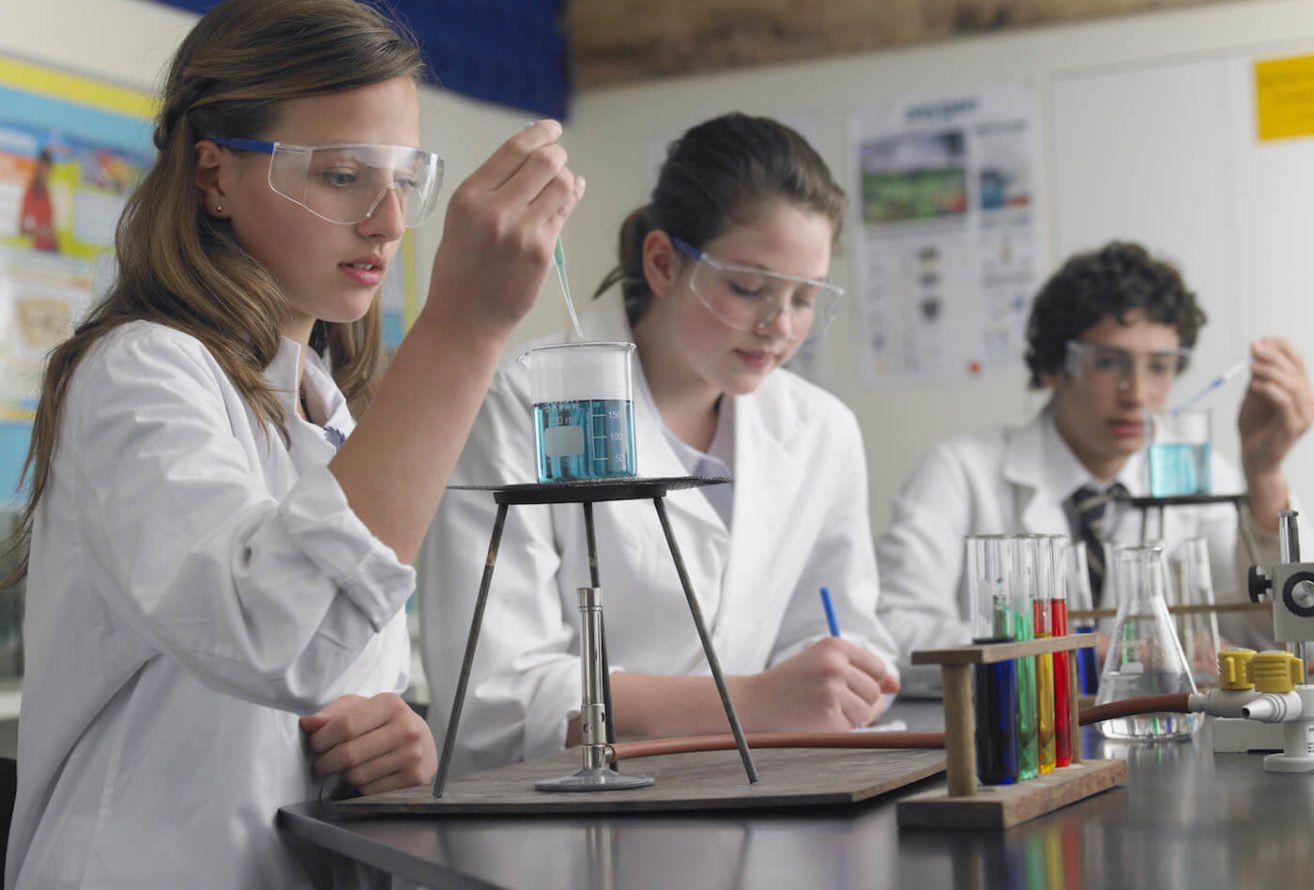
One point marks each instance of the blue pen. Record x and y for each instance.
(830, 612)
(830, 620)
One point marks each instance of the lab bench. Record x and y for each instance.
(1186, 817)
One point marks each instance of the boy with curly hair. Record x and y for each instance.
(1108, 334)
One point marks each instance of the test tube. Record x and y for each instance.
(1040, 605)
(996, 684)
(1079, 596)
(1022, 559)
(1059, 617)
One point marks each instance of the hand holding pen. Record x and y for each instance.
(831, 686)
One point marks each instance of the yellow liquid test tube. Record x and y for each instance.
(1044, 690)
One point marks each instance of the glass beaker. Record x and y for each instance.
(1144, 656)
(1193, 586)
(583, 410)
(1177, 451)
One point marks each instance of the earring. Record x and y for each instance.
(218, 208)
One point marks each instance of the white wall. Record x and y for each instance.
(1145, 133)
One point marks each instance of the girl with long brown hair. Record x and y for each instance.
(219, 555)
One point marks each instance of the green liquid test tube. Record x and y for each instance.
(1028, 756)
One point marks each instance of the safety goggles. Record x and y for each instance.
(345, 184)
(749, 299)
(1113, 364)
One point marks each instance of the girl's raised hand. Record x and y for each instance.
(501, 227)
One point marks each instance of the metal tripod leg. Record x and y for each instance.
(740, 742)
(476, 623)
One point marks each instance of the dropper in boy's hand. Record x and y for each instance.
(559, 257)
(1213, 385)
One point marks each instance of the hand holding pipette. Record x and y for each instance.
(1277, 410)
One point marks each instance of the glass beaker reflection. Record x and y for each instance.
(1145, 657)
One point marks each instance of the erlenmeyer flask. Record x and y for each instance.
(1144, 657)
(1197, 631)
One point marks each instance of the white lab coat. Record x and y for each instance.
(1012, 481)
(799, 522)
(195, 586)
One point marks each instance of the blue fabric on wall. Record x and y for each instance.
(508, 52)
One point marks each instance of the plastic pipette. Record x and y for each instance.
(1213, 385)
(559, 258)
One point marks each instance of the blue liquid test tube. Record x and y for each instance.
(1088, 665)
(997, 706)
(996, 719)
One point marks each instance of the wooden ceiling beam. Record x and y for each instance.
(624, 41)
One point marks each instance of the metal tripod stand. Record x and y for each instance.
(595, 713)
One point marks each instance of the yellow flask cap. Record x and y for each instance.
(1277, 671)
(1234, 669)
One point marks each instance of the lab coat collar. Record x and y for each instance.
(322, 394)
(764, 468)
(1037, 459)
(282, 374)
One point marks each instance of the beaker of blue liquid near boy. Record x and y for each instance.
(1177, 447)
(583, 410)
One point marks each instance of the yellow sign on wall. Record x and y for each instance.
(1284, 97)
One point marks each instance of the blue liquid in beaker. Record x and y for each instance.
(1179, 469)
(584, 439)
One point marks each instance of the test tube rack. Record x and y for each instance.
(966, 804)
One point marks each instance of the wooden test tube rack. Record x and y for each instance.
(964, 804)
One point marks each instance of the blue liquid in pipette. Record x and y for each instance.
(584, 439)
(1179, 469)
